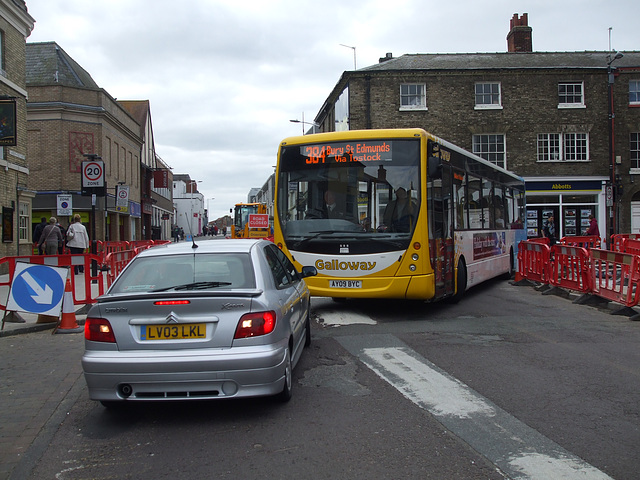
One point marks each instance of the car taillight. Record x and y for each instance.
(255, 324)
(98, 330)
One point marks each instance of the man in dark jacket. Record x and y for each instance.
(37, 232)
(549, 230)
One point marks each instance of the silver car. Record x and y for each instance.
(217, 319)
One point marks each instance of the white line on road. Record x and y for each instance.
(515, 448)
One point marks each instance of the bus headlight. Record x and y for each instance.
(414, 257)
(412, 267)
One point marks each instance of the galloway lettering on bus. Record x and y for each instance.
(338, 265)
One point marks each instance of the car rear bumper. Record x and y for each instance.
(193, 374)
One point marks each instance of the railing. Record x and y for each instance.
(576, 264)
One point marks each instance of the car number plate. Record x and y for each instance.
(345, 283)
(173, 332)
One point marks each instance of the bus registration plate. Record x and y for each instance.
(345, 283)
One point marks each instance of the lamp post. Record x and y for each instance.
(354, 54)
(313, 124)
(614, 180)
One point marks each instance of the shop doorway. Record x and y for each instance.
(536, 217)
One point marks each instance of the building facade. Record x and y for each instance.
(569, 123)
(155, 177)
(15, 196)
(69, 117)
(188, 203)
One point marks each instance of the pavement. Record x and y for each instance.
(16, 323)
(41, 379)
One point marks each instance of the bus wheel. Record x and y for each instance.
(512, 266)
(461, 281)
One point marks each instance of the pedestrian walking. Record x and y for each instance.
(549, 230)
(37, 232)
(77, 240)
(51, 237)
(593, 226)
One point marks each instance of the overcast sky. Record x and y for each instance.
(224, 77)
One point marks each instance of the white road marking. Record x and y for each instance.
(515, 448)
(333, 318)
(418, 383)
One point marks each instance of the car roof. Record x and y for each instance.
(205, 246)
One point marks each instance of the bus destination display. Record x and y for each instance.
(357, 151)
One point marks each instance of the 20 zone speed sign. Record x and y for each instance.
(93, 173)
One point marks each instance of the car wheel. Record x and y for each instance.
(307, 333)
(285, 394)
(112, 405)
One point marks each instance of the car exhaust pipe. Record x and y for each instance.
(125, 390)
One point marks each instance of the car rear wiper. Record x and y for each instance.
(193, 286)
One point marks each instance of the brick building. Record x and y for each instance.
(544, 116)
(156, 178)
(69, 116)
(15, 198)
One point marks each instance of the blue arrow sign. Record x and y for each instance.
(37, 289)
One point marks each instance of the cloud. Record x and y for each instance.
(225, 77)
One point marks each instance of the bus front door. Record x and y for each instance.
(441, 233)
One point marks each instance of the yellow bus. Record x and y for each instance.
(396, 213)
(250, 220)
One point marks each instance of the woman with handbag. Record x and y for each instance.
(77, 240)
(51, 237)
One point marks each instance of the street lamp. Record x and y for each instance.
(354, 54)
(615, 184)
(313, 124)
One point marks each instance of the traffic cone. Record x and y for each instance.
(68, 323)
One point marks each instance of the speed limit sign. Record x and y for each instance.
(93, 173)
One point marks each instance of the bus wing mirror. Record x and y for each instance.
(434, 168)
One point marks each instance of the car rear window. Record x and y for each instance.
(222, 270)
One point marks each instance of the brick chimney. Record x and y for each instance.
(519, 37)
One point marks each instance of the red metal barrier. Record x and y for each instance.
(570, 268)
(614, 276)
(588, 241)
(630, 245)
(617, 240)
(534, 261)
(89, 287)
(116, 261)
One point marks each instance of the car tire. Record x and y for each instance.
(307, 327)
(112, 405)
(286, 393)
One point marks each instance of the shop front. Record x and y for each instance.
(570, 200)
